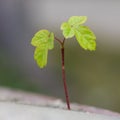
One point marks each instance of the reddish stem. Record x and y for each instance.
(63, 72)
(64, 79)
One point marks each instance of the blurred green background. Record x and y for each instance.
(93, 77)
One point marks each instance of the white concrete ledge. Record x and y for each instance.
(13, 111)
(17, 105)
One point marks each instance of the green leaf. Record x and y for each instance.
(43, 37)
(74, 27)
(86, 38)
(43, 40)
(51, 41)
(68, 32)
(70, 26)
(77, 20)
(40, 55)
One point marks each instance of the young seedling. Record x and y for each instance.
(43, 40)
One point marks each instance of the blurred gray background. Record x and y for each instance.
(93, 77)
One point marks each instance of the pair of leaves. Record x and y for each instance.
(43, 41)
(84, 36)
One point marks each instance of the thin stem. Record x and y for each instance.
(63, 72)
(64, 79)
(58, 40)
